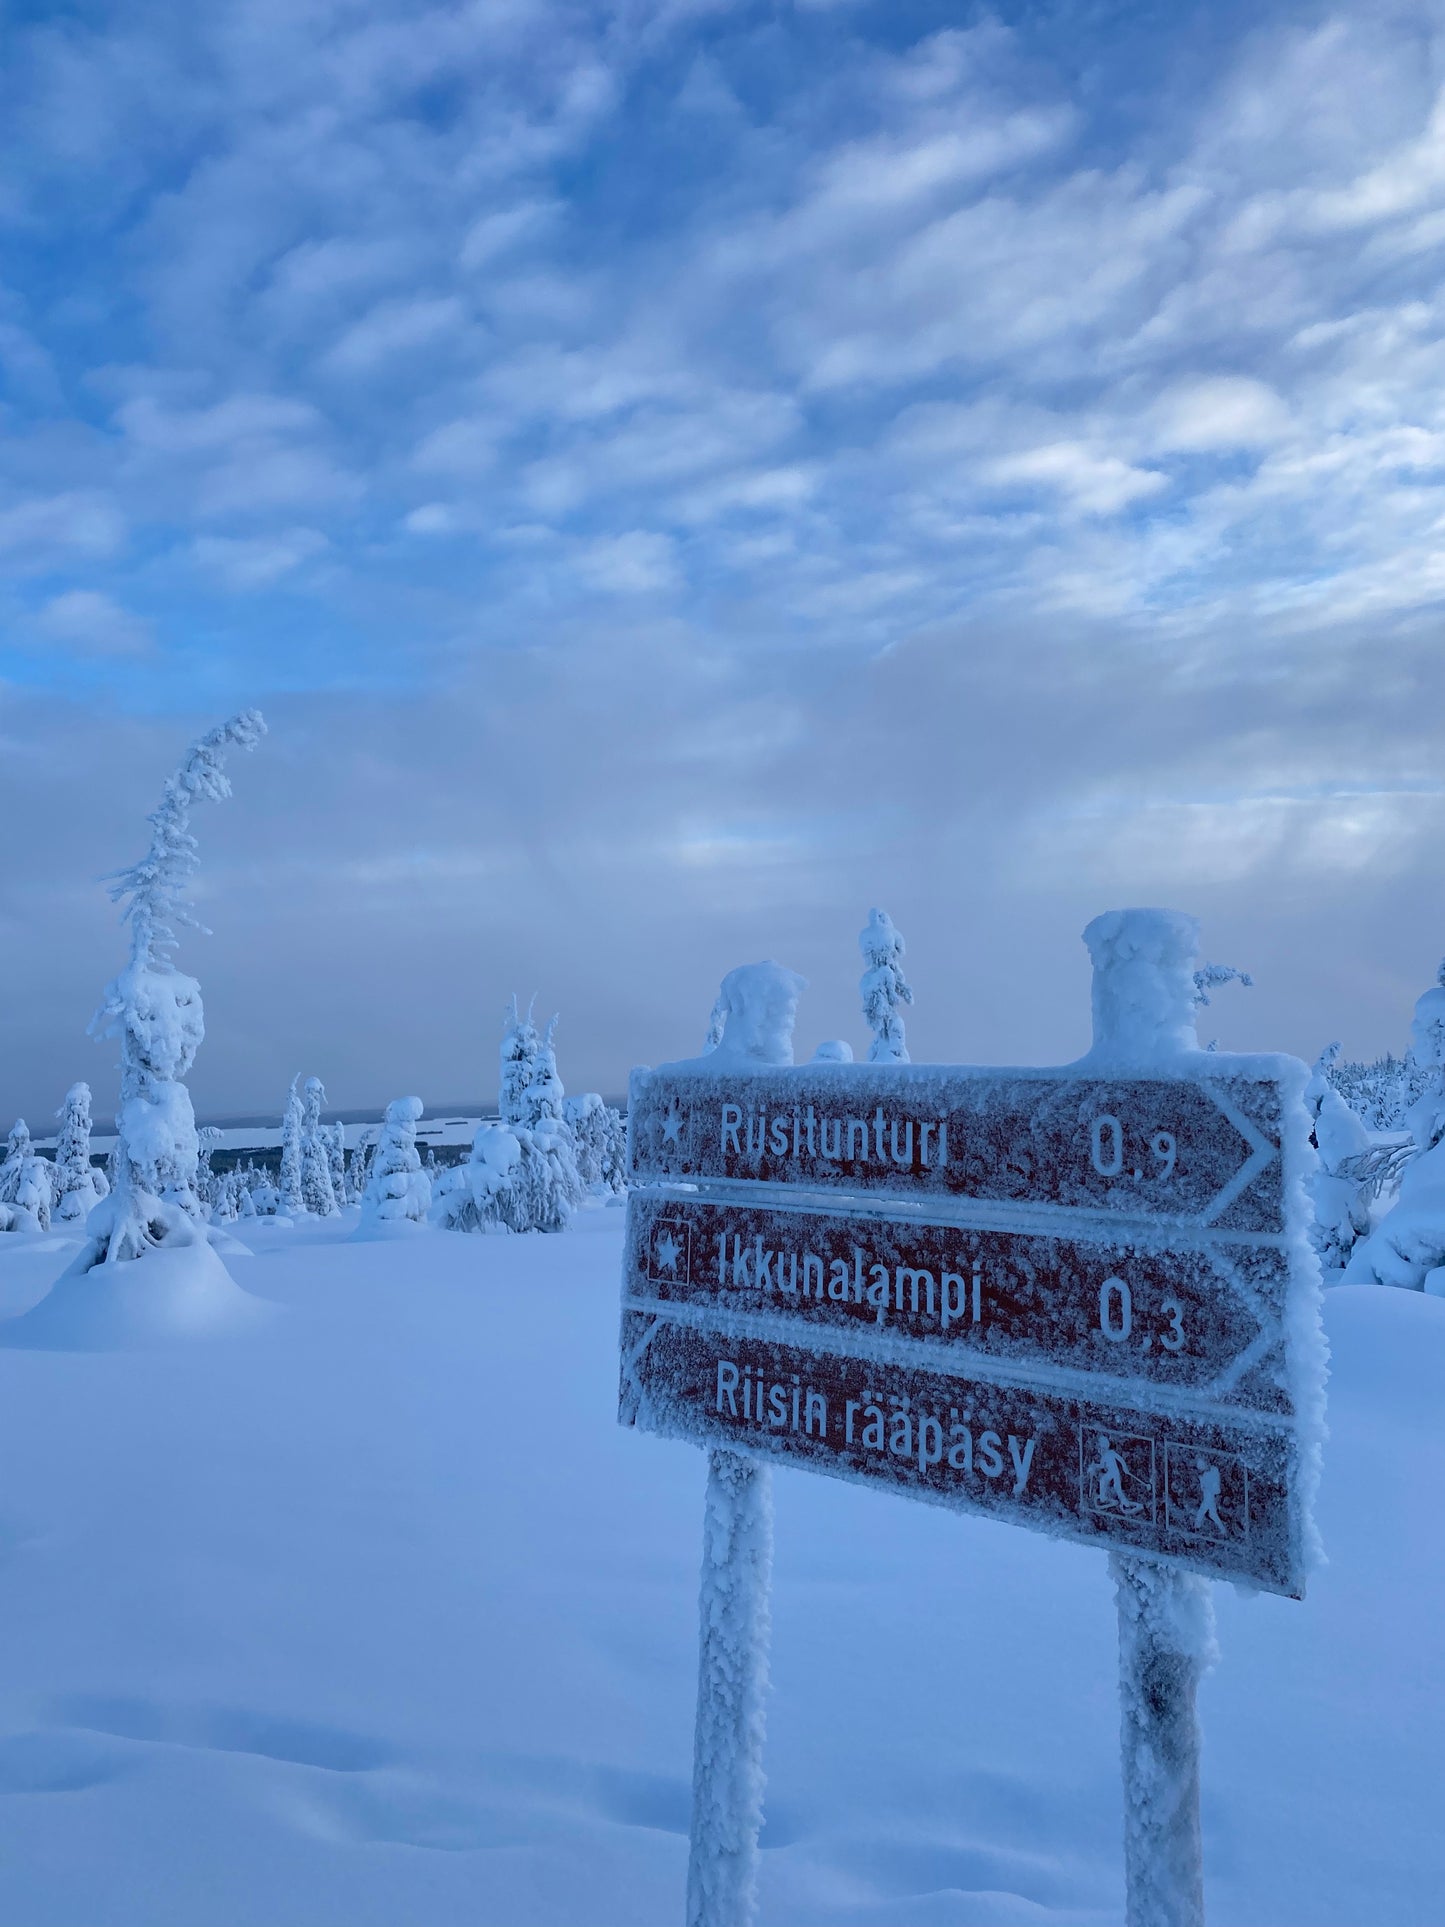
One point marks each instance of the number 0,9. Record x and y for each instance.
(1106, 1148)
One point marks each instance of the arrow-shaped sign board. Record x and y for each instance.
(1201, 1150)
(1104, 1275)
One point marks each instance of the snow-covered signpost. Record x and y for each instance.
(1083, 1300)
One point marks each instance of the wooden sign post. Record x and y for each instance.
(1082, 1300)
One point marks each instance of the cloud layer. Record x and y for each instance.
(676, 474)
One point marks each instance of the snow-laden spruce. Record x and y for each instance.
(1341, 1198)
(1407, 1248)
(397, 1191)
(358, 1167)
(317, 1195)
(293, 1119)
(884, 988)
(520, 1044)
(155, 1010)
(529, 1103)
(599, 1138)
(79, 1185)
(24, 1183)
(546, 1121)
(335, 1140)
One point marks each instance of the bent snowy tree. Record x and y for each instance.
(156, 1012)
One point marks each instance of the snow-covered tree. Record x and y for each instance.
(25, 1183)
(225, 1198)
(207, 1138)
(1382, 1091)
(265, 1198)
(554, 1167)
(1407, 1247)
(336, 1161)
(397, 1188)
(520, 1044)
(156, 1012)
(884, 988)
(358, 1167)
(1340, 1194)
(599, 1142)
(79, 1185)
(833, 1050)
(293, 1125)
(480, 1195)
(316, 1193)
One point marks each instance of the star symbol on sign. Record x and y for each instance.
(672, 1125)
(668, 1252)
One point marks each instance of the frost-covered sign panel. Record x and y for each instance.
(1059, 1298)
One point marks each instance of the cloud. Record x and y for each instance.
(257, 562)
(709, 468)
(76, 525)
(84, 622)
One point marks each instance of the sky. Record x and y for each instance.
(678, 473)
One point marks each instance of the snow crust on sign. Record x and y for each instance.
(370, 1613)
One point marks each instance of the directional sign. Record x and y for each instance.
(1211, 1494)
(1206, 1319)
(1204, 1152)
(1064, 1299)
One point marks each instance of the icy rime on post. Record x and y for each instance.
(156, 1012)
(1082, 1300)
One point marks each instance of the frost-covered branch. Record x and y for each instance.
(1213, 976)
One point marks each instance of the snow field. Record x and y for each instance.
(367, 1612)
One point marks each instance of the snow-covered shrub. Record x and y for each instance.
(1409, 1242)
(833, 1050)
(293, 1120)
(317, 1195)
(156, 1012)
(480, 1195)
(265, 1199)
(884, 988)
(397, 1189)
(79, 1185)
(1341, 1199)
(25, 1182)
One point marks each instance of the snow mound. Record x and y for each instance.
(172, 1294)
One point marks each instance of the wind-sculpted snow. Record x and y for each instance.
(369, 1613)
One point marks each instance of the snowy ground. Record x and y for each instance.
(370, 1615)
